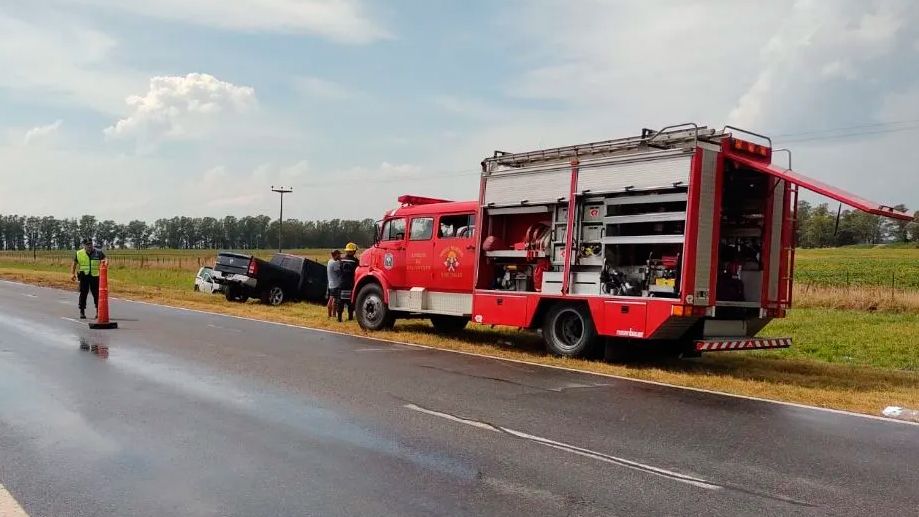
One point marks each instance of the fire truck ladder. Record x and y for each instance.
(791, 221)
(670, 137)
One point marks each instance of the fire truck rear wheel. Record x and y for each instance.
(449, 324)
(372, 312)
(569, 331)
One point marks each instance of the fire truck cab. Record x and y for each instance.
(683, 235)
(423, 262)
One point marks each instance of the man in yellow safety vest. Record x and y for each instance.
(87, 260)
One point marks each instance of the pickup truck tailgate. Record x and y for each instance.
(232, 263)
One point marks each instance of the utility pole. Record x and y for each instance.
(282, 191)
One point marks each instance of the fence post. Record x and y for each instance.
(893, 284)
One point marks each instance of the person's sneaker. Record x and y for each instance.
(82, 315)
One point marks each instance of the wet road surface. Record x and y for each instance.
(184, 413)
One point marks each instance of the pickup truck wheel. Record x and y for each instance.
(569, 330)
(449, 324)
(372, 312)
(234, 294)
(274, 296)
(197, 288)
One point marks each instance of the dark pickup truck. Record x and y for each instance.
(285, 277)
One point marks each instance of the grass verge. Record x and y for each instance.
(849, 360)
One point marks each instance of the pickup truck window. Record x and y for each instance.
(456, 226)
(394, 230)
(422, 228)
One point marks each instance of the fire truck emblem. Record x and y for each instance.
(451, 256)
(388, 261)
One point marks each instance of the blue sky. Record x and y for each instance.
(353, 102)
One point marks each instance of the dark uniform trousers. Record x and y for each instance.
(348, 268)
(88, 284)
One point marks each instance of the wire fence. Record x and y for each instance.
(126, 259)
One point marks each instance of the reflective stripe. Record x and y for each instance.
(88, 265)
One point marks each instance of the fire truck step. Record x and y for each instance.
(723, 344)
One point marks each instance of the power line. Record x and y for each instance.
(849, 135)
(819, 135)
(846, 128)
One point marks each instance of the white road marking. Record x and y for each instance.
(30, 295)
(519, 361)
(8, 505)
(390, 349)
(223, 328)
(575, 385)
(606, 458)
(71, 319)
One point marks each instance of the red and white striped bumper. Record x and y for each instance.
(717, 345)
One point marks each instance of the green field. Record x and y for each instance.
(857, 266)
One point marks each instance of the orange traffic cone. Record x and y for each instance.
(102, 322)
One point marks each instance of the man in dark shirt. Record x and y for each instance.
(87, 261)
(348, 266)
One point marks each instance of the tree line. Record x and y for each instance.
(819, 226)
(19, 232)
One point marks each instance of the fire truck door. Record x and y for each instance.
(454, 253)
(392, 252)
(419, 252)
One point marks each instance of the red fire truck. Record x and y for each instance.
(683, 235)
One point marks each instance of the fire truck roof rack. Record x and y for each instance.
(410, 200)
(671, 137)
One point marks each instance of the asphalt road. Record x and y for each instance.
(184, 413)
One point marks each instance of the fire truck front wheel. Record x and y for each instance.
(372, 312)
(569, 331)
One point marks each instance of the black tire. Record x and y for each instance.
(234, 294)
(273, 296)
(371, 311)
(569, 331)
(197, 289)
(449, 324)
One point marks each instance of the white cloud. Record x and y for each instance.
(246, 193)
(41, 132)
(838, 69)
(343, 21)
(608, 69)
(62, 63)
(180, 107)
(464, 106)
(850, 40)
(322, 89)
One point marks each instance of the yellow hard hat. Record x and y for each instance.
(351, 247)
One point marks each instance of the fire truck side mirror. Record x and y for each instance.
(377, 230)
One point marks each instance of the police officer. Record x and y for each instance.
(88, 259)
(347, 267)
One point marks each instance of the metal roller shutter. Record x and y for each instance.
(643, 173)
(514, 188)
